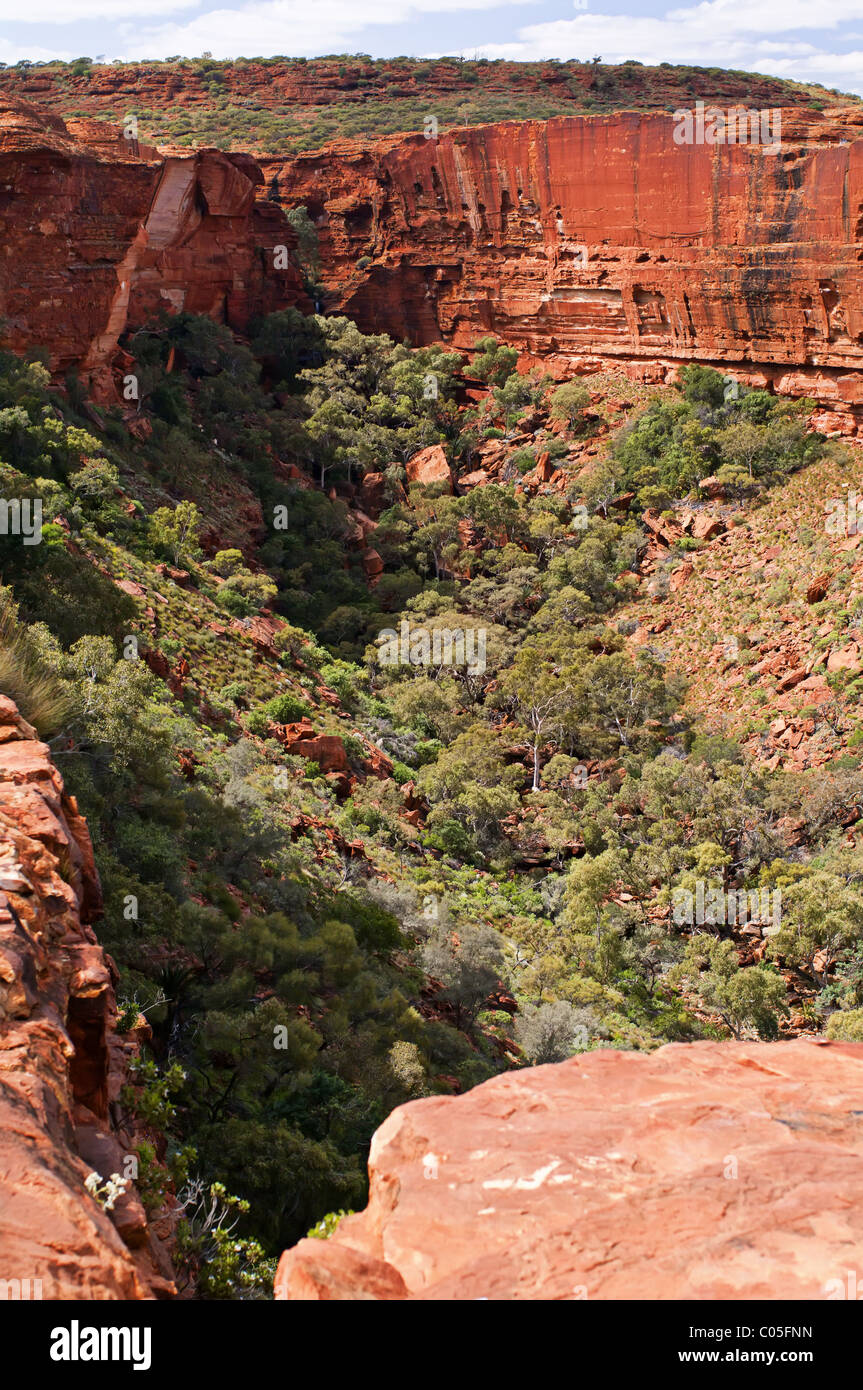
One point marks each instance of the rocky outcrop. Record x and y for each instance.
(61, 1062)
(99, 233)
(429, 466)
(703, 1171)
(589, 240)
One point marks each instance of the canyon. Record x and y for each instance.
(706, 1170)
(584, 241)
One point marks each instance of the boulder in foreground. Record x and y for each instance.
(705, 1170)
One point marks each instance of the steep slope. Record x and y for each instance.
(707, 1171)
(100, 233)
(589, 239)
(765, 619)
(62, 1064)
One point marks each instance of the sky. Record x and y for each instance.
(808, 40)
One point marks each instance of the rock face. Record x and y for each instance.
(703, 1171)
(99, 233)
(61, 1063)
(586, 240)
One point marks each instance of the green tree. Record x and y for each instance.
(745, 999)
(568, 401)
(494, 362)
(822, 915)
(540, 688)
(175, 530)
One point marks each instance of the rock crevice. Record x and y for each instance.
(99, 233)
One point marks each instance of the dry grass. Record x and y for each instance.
(38, 693)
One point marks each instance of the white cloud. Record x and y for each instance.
(712, 35)
(59, 11)
(767, 16)
(10, 53)
(261, 27)
(281, 26)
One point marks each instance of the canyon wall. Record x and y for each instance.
(584, 241)
(97, 234)
(62, 1064)
(594, 240)
(706, 1170)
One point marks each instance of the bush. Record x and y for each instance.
(286, 709)
(568, 401)
(550, 1032)
(524, 460)
(845, 1026)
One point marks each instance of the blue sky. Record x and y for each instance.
(816, 40)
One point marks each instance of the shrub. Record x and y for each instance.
(846, 1025)
(286, 709)
(550, 1032)
(327, 1225)
(568, 401)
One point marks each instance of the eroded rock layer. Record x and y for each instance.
(98, 233)
(62, 1065)
(585, 240)
(708, 1170)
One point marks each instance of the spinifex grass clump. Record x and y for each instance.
(39, 695)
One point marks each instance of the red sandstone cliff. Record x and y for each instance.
(704, 1171)
(588, 239)
(582, 240)
(61, 1062)
(99, 233)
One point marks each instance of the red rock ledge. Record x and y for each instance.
(706, 1170)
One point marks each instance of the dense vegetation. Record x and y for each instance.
(741, 438)
(307, 954)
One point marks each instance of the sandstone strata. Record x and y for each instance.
(590, 240)
(61, 1062)
(99, 233)
(703, 1171)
